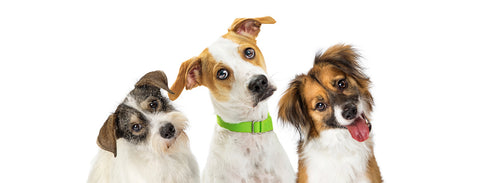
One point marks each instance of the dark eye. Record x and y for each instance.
(342, 84)
(137, 127)
(320, 106)
(249, 53)
(222, 74)
(153, 104)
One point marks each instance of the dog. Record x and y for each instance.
(144, 140)
(244, 147)
(330, 106)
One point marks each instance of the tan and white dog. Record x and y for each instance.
(330, 107)
(244, 147)
(144, 140)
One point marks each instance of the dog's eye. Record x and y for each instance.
(342, 84)
(320, 106)
(153, 104)
(249, 53)
(222, 74)
(137, 127)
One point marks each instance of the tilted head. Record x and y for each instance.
(232, 68)
(145, 119)
(334, 94)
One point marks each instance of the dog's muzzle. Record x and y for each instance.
(260, 88)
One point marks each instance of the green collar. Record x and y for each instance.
(249, 126)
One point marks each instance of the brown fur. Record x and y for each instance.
(297, 105)
(107, 138)
(201, 70)
(302, 175)
(154, 78)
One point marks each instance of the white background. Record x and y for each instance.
(66, 65)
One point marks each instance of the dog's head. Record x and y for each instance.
(232, 68)
(145, 119)
(334, 94)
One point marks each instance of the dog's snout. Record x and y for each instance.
(258, 84)
(349, 111)
(167, 131)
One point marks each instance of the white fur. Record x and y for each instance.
(336, 157)
(156, 160)
(239, 107)
(243, 157)
(361, 108)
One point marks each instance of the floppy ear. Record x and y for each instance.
(250, 27)
(155, 78)
(188, 77)
(292, 108)
(107, 138)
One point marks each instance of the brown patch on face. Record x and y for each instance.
(202, 71)
(316, 94)
(245, 43)
(341, 60)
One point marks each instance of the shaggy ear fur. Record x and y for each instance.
(155, 78)
(292, 108)
(250, 27)
(188, 77)
(345, 58)
(107, 138)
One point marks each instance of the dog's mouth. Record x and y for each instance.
(360, 128)
(262, 96)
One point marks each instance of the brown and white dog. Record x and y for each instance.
(234, 71)
(330, 107)
(144, 140)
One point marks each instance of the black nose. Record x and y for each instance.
(167, 131)
(258, 84)
(349, 111)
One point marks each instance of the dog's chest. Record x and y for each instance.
(249, 158)
(335, 157)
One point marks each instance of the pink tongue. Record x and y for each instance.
(359, 129)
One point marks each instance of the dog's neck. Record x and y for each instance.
(236, 113)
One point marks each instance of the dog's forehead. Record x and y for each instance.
(143, 92)
(228, 51)
(314, 90)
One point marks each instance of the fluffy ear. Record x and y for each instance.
(292, 108)
(155, 78)
(107, 138)
(250, 27)
(188, 77)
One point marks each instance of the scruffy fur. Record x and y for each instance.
(333, 96)
(144, 140)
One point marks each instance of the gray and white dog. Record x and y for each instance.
(144, 140)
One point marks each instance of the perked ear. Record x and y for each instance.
(188, 77)
(291, 107)
(107, 138)
(155, 78)
(250, 27)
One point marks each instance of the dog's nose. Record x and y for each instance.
(167, 131)
(349, 111)
(258, 84)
